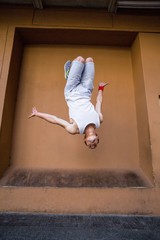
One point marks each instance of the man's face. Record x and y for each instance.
(91, 141)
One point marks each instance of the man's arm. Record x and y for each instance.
(69, 127)
(99, 100)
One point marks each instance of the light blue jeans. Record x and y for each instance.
(80, 79)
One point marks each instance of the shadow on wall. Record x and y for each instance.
(59, 178)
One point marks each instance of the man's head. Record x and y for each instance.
(91, 141)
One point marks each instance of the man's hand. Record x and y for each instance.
(71, 128)
(102, 84)
(34, 112)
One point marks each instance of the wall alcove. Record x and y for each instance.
(36, 153)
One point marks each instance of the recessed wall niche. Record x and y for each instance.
(36, 153)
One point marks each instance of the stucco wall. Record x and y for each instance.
(129, 136)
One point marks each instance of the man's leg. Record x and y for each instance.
(87, 79)
(75, 74)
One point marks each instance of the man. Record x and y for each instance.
(84, 118)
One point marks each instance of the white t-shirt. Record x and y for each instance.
(82, 111)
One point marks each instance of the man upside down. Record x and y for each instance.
(84, 117)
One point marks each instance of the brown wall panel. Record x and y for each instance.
(150, 45)
(78, 18)
(12, 16)
(43, 145)
(141, 110)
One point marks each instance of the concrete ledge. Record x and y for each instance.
(80, 200)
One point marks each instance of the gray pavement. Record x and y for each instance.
(21, 226)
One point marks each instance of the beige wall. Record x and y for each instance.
(144, 143)
(41, 145)
(129, 136)
(150, 45)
